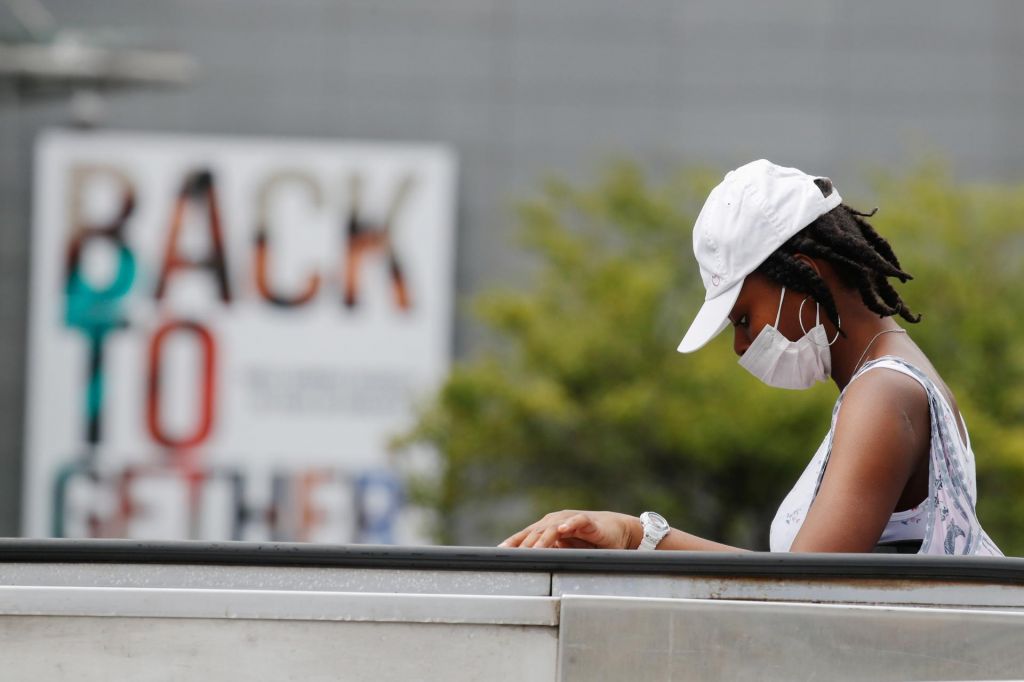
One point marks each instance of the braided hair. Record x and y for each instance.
(863, 259)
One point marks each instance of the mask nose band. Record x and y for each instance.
(817, 320)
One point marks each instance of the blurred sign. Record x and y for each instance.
(225, 333)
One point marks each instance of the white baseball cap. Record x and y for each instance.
(750, 214)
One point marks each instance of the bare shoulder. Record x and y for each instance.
(884, 415)
(882, 390)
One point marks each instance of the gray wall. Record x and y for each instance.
(524, 88)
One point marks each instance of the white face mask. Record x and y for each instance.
(782, 363)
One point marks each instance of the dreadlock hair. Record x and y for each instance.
(863, 259)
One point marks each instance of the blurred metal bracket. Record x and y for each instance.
(69, 62)
(48, 61)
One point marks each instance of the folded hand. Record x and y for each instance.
(580, 530)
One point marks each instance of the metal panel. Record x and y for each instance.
(158, 650)
(271, 605)
(309, 578)
(893, 591)
(608, 638)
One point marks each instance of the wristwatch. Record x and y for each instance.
(655, 528)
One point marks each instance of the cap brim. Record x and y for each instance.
(711, 319)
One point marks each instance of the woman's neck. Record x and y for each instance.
(867, 337)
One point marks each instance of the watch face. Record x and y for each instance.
(655, 520)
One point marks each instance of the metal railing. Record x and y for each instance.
(143, 610)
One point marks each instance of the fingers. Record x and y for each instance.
(531, 537)
(517, 539)
(574, 543)
(540, 536)
(527, 537)
(547, 537)
(577, 524)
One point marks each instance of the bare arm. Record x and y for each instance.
(677, 539)
(882, 431)
(572, 528)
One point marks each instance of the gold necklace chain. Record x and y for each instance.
(868, 347)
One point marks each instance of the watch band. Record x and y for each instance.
(647, 544)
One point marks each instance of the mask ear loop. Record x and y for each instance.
(778, 315)
(817, 321)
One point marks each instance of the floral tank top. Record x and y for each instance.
(948, 523)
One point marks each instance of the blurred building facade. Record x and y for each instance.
(523, 89)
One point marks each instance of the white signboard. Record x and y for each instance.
(225, 334)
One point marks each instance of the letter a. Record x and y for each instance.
(198, 188)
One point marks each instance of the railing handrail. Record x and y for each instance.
(748, 565)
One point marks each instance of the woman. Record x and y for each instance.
(804, 281)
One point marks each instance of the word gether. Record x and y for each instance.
(214, 502)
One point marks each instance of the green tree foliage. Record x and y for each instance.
(582, 402)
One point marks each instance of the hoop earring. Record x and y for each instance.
(817, 320)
